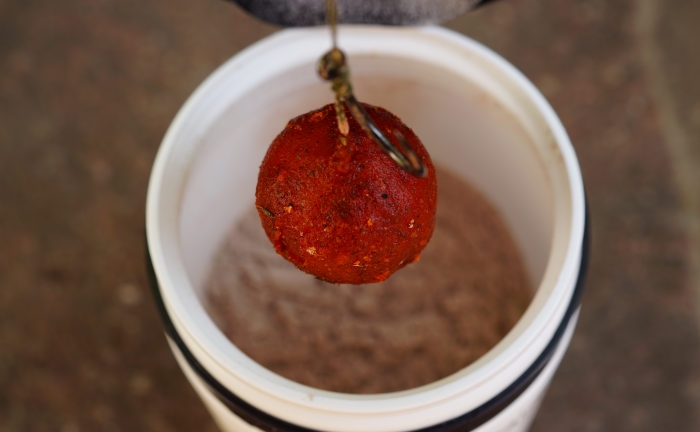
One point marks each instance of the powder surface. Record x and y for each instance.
(424, 323)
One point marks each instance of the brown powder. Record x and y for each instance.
(427, 321)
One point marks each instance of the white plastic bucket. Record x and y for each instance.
(477, 115)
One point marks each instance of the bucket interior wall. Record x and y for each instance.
(465, 129)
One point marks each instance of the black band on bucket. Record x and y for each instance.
(465, 422)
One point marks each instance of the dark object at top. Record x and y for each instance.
(298, 13)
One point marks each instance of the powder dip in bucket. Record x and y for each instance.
(483, 123)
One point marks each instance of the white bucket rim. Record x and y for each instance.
(215, 368)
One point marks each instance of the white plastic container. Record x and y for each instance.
(477, 115)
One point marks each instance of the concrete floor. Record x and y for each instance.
(88, 88)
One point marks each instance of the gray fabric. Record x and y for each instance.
(385, 12)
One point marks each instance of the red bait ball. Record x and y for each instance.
(338, 207)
